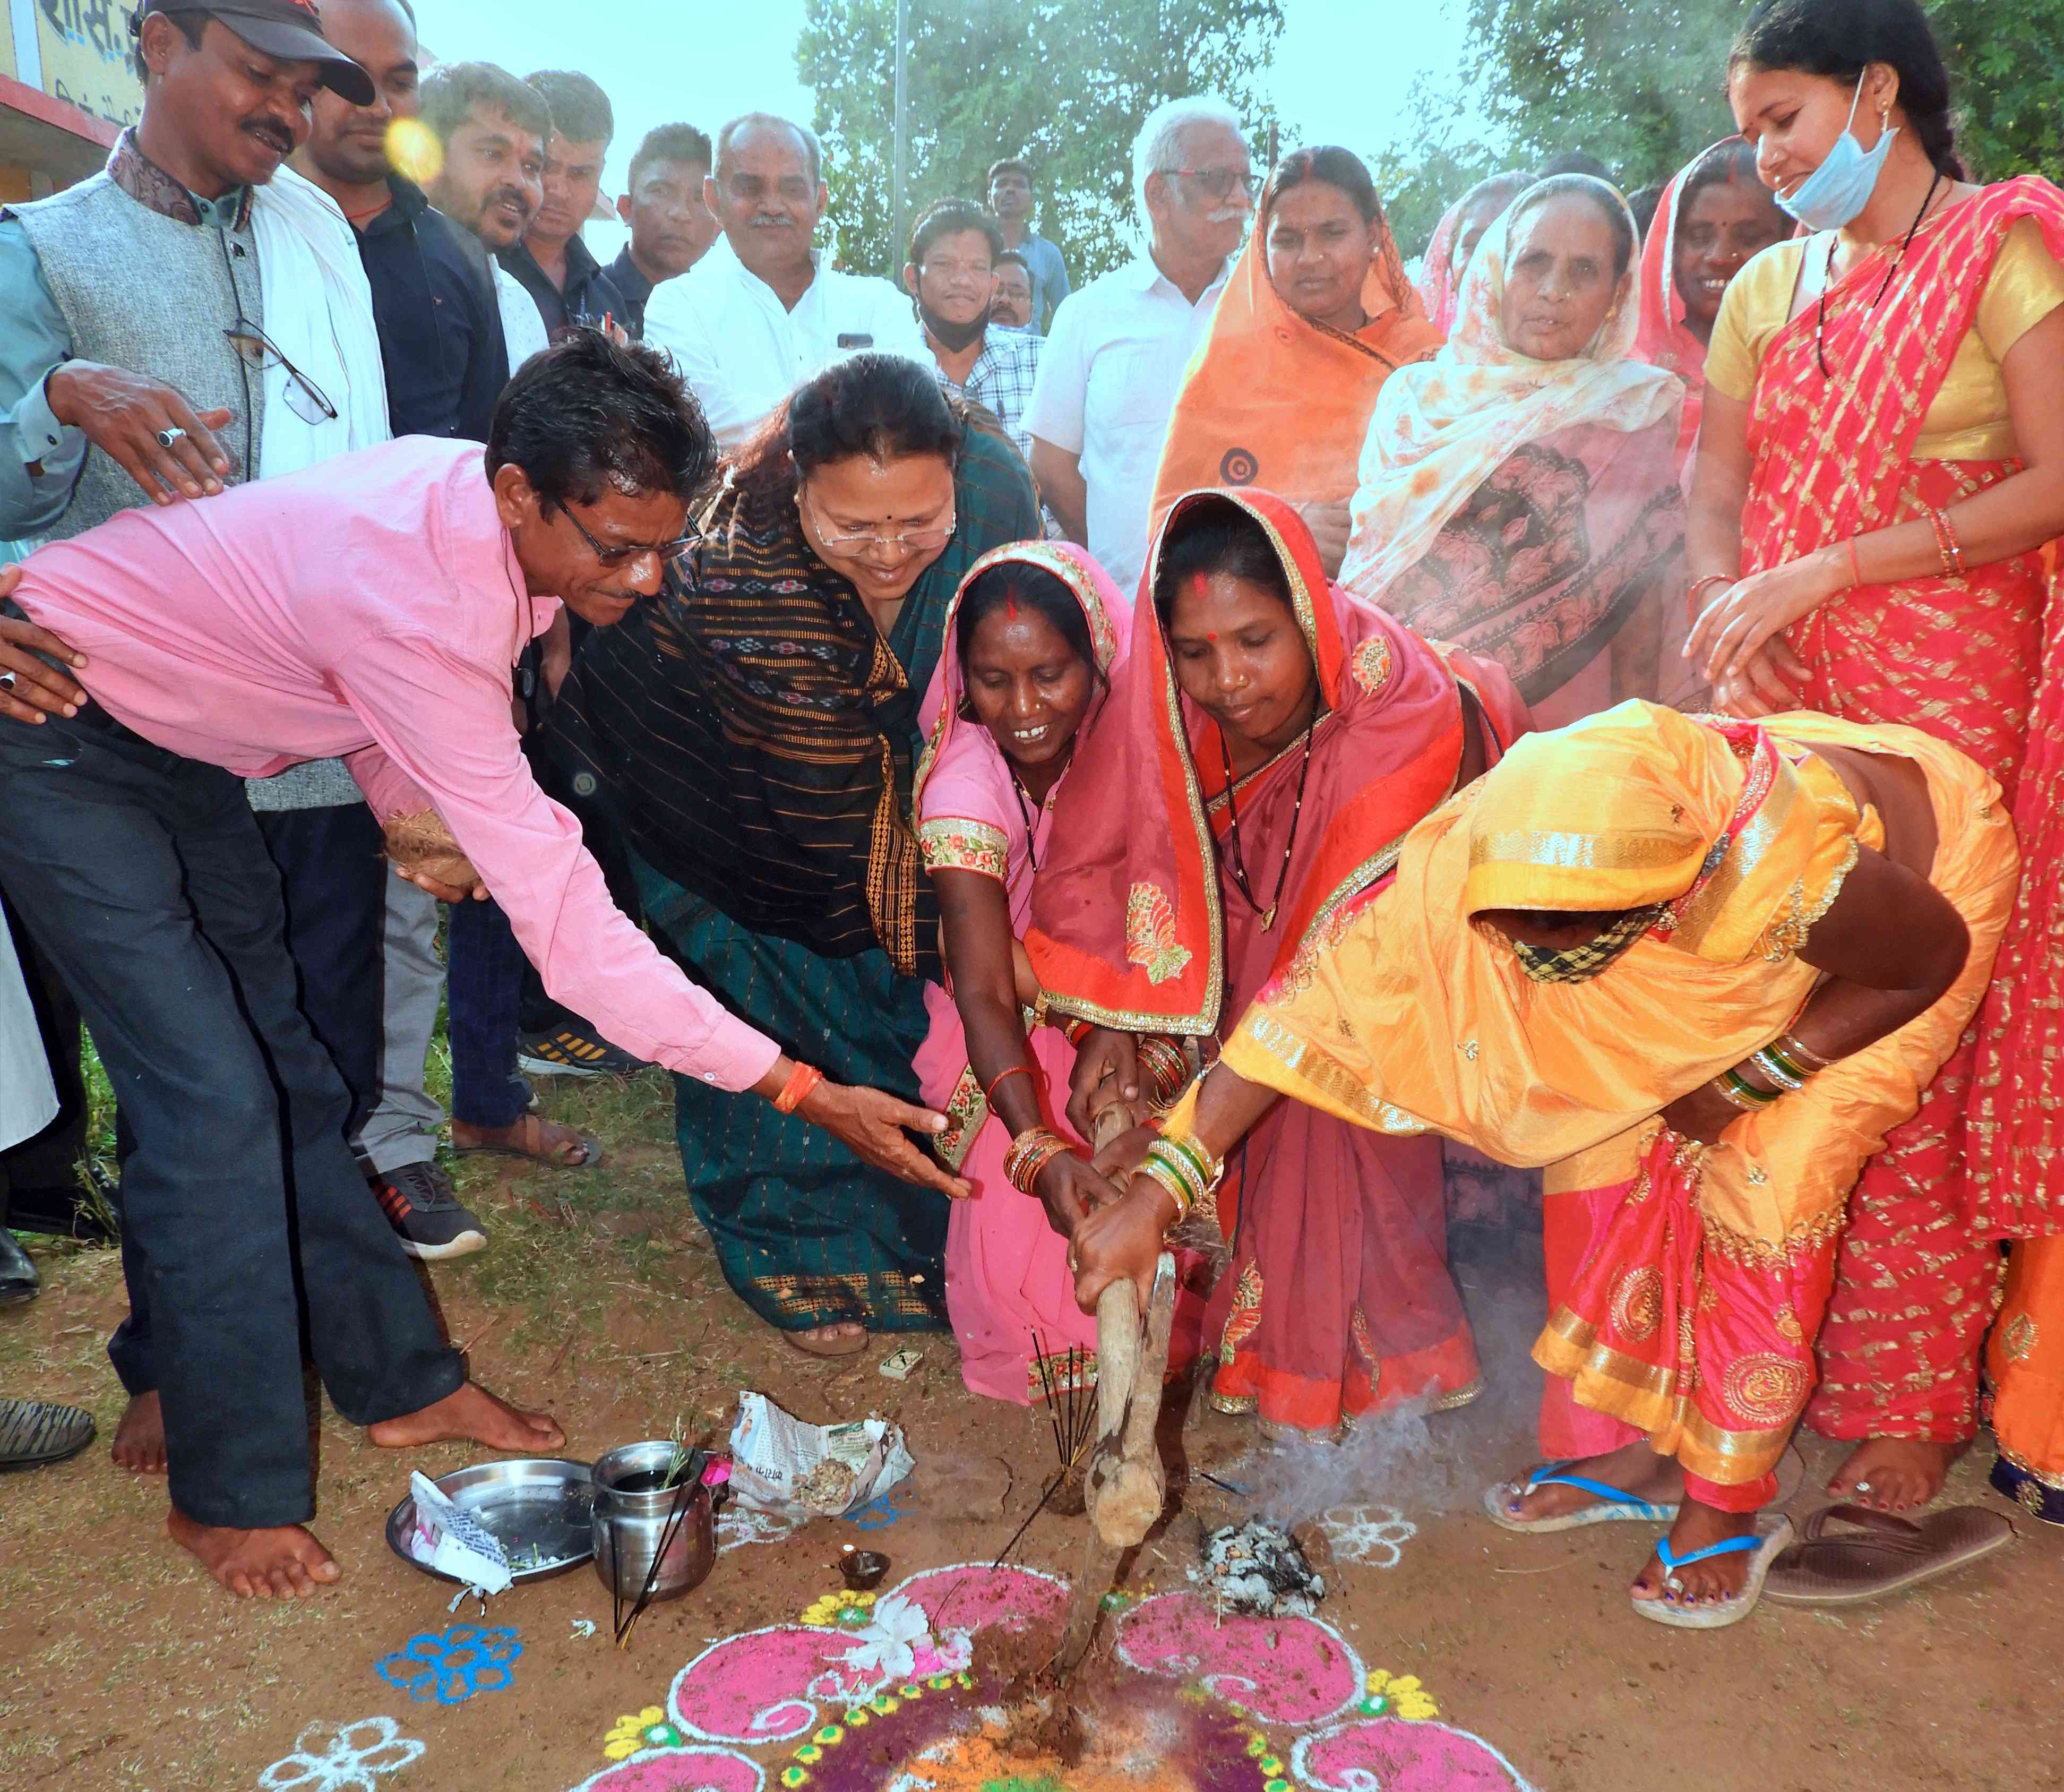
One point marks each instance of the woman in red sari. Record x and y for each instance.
(1880, 464)
(1270, 743)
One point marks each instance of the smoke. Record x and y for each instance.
(1411, 1460)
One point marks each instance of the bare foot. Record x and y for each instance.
(840, 1337)
(283, 1561)
(563, 1147)
(1894, 1474)
(139, 1439)
(1702, 1582)
(473, 1414)
(1634, 1467)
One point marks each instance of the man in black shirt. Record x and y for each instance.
(671, 228)
(556, 268)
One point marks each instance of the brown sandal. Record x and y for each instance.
(1886, 1554)
(552, 1158)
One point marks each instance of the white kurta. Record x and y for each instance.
(28, 1098)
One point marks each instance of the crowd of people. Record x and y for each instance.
(1588, 701)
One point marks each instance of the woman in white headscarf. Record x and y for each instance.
(1518, 493)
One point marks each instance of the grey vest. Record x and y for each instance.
(142, 291)
(145, 291)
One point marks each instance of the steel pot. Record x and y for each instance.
(634, 1514)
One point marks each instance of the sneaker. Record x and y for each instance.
(421, 1205)
(572, 1050)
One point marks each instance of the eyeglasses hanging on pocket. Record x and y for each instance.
(305, 398)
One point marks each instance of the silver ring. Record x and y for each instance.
(6, 681)
(1673, 1584)
(167, 437)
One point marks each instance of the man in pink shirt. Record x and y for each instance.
(370, 609)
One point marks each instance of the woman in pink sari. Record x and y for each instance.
(1455, 238)
(1711, 219)
(1031, 639)
(1270, 743)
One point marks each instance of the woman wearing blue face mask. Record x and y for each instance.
(1880, 466)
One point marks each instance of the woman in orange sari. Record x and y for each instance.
(1268, 745)
(1699, 968)
(1880, 463)
(1317, 315)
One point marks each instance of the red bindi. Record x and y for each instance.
(1212, 636)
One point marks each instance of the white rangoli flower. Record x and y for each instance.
(888, 1646)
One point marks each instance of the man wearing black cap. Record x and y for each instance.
(135, 348)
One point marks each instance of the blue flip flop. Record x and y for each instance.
(1615, 1504)
(1772, 1537)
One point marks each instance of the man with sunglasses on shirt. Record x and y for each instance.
(153, 320)
(370, 608)
(1114, 359)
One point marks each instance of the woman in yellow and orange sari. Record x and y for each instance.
(1879, 465)
(1317, 315)
(1700, 969)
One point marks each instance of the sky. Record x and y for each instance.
(658, 68)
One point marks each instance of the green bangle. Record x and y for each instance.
(1198, 1159)
(1157, 1171)
(1780, 1069)
(1744, 1091)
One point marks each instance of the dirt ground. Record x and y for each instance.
(122, 1667)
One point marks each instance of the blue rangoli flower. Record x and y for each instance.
(450, 1668)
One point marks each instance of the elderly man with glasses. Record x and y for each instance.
(1113, 362)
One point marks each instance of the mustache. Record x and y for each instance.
(768, 220)
(271, 133)
(514, 195)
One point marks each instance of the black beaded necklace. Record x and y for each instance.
(1238, 865)
(1826, 278)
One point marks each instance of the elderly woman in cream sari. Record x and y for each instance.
(1519, 495)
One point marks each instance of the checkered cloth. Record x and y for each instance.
(1001, 380)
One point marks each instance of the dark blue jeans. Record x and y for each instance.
(143, 877)
(334, 883)
(483, 988)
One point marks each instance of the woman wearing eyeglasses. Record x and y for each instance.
(755, 733)
(1880, 466)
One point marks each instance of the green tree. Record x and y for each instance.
(2009, 90)
(1643, 89)
(1061, 83)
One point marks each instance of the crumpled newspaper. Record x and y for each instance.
(451, 1540)
(781, 1464)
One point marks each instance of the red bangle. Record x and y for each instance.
(1855, 565)
(1698, 585)
(797, 1090)
(1074, 1030)
(989, 1090)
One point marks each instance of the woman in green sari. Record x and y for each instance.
(754, 732)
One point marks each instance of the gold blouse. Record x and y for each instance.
(1968, 419)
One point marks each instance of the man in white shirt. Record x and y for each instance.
(1113, 362)
(761, 313)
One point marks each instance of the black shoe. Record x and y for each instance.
(572, 1051)
(421, 1205)
(18, 1279)
(67, 1212)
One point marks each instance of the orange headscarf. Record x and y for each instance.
(1274, 401)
